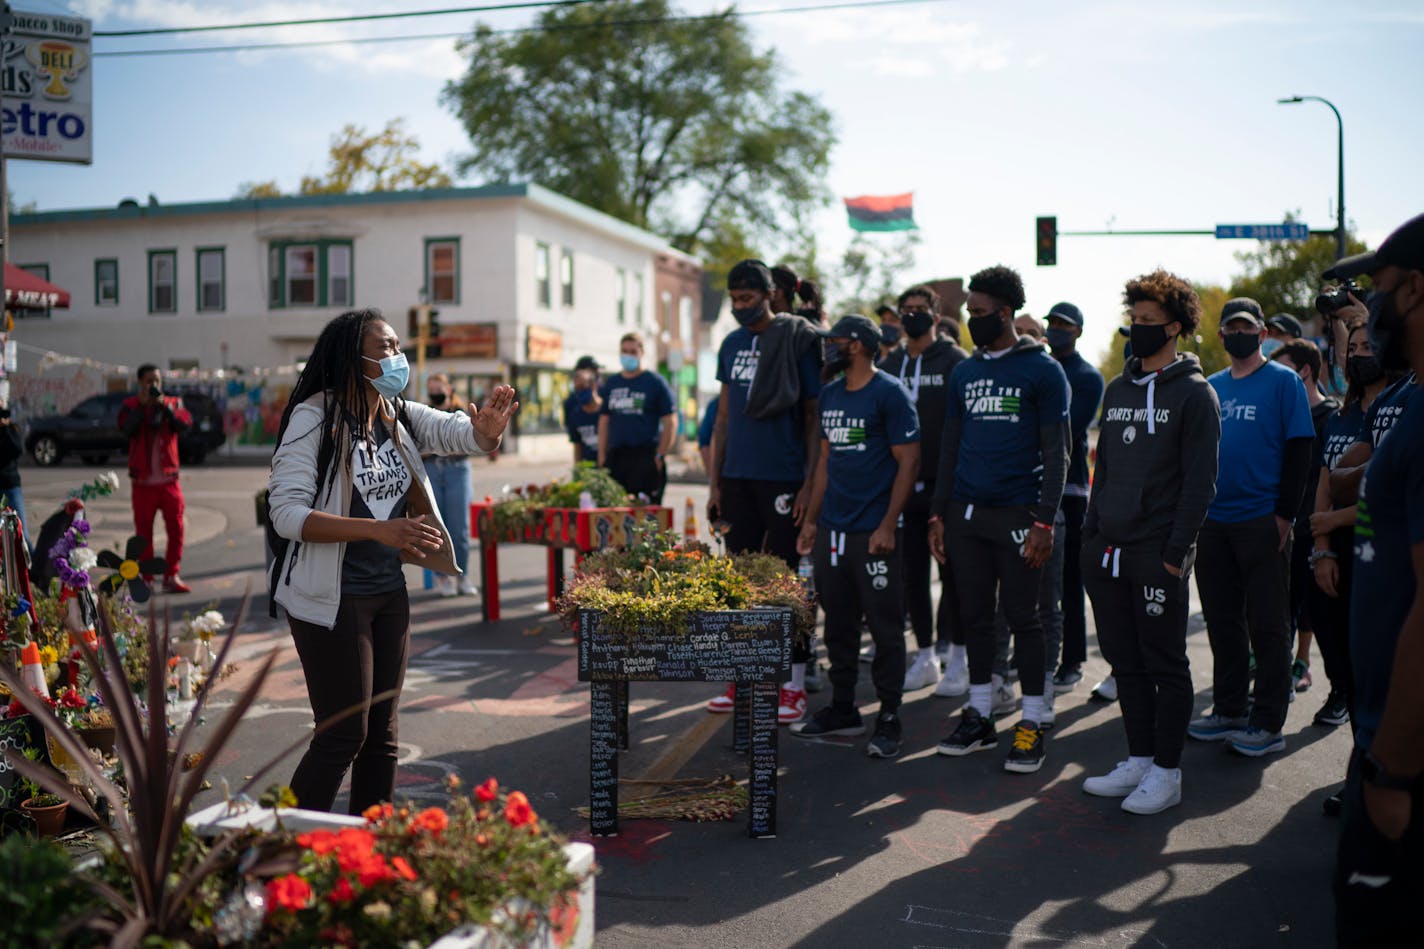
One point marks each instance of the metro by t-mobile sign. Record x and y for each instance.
(47, 88)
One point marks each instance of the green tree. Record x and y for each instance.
(1284, 276)
(679, 126)
(1206, 344)
(375, 161)
(249, 190)
(873, 269)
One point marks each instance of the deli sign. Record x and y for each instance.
(47, 75)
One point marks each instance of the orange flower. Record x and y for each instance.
(319, 842)
(403, 867)
(669, 555)
(378, 812)
(481, 840)
(288, 892)
(432, 820)
(373, 870)
(482, 814)
(486, 792)
(517, 810)
(341, 892)
(353, 847)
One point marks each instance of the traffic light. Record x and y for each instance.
(1047, 241)
(432, 332)
(412, 328)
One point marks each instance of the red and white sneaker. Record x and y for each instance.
(793, 706)
(725, 702)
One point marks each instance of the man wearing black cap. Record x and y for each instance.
(765, 441)
(1280, 329)
(869, 459)
(1005, 443)
(1243, 565)
(1065, 326)
(581, 410)
(1379, 872)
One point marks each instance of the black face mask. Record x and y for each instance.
(1386, 329)
(749, 316)
(984, 330)
(890, 334)
(917, 324)
(1148, 339)
(1237, 345)
(1364, 370)
(437, 399)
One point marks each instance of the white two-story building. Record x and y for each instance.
(523, 281)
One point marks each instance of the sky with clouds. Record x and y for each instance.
(1107, 113)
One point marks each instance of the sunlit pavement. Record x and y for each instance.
(918, 851)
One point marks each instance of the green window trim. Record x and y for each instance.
(222, 278)
(98, 300)
(172, 254)
(277, 260)
(431, 242)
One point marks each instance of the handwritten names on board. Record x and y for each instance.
(761, 808)
(603, 760)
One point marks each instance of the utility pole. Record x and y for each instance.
(6, 20)
(1340, 169)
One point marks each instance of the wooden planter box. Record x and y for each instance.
(749, 647)
(216, 819)
(559, 529)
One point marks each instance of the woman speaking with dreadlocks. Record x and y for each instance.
(349, 503)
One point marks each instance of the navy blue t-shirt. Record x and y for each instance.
(634, 408)
(1342, 429)
(1385, 410)
(762, 449)
(861, 427)
(1259, 414)
(1002, 404)
(709, 422)
(582, 428)
(1086, 386)
(1388, 523)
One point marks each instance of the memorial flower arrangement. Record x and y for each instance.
(522, 508)
(659, 582)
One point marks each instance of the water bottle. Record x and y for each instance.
(807, 572)
(586, 501)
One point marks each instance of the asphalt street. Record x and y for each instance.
(921, 851)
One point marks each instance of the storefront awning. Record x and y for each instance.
(24, 289)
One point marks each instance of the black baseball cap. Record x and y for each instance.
(587, 362)
(1287, 324)
(1066, 311)
(1242, 308)
(862, 329)
(1403, 248)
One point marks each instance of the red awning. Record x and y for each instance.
(24, 289)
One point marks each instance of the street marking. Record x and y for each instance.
(678, 753)
(974, 924)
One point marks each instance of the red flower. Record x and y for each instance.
(517, 810)
(403, 867)
(378, 812)
(73, 506)
(373, 870)
(70, 698)
(486, 792)
(341, 892)
(288, 892)
(432, 820)
(319, 842)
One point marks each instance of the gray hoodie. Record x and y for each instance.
(1156, 464)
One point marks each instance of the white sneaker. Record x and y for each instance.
(465, 588)
(1120, 781)
(1160, 789)
(1106, 690)
(1004, 701)
(868, 653)
(924, 671)
(445, 586)
(955, 681)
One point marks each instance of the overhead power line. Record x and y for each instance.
(596, 25)
(353, 18)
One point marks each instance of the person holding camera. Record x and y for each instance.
(1341, 311)
(153, 421)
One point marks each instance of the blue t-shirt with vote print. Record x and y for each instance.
(1388, 523)
(1259, 414)
(763, 449)
(635, 408)
(860, 428)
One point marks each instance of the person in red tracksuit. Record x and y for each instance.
(153, 421)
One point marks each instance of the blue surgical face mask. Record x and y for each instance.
(1270, 346)
(395, 373)
(629, 363)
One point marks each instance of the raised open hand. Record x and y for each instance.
(490, 420)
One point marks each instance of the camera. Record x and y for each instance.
(1328, 303)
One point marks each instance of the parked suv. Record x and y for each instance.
(91, 431)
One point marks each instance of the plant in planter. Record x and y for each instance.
(43, 903)
(46, 809)
(523, 508)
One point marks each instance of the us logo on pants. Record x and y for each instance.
(1156, 598)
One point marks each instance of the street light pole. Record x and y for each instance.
(1340, 198)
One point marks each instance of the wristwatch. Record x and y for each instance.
(1373, 771)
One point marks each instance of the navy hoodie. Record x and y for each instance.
(926, 379)
(1156, 470)
(1006, 432)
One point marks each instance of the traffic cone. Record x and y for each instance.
(32, 670)
(689, 521)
